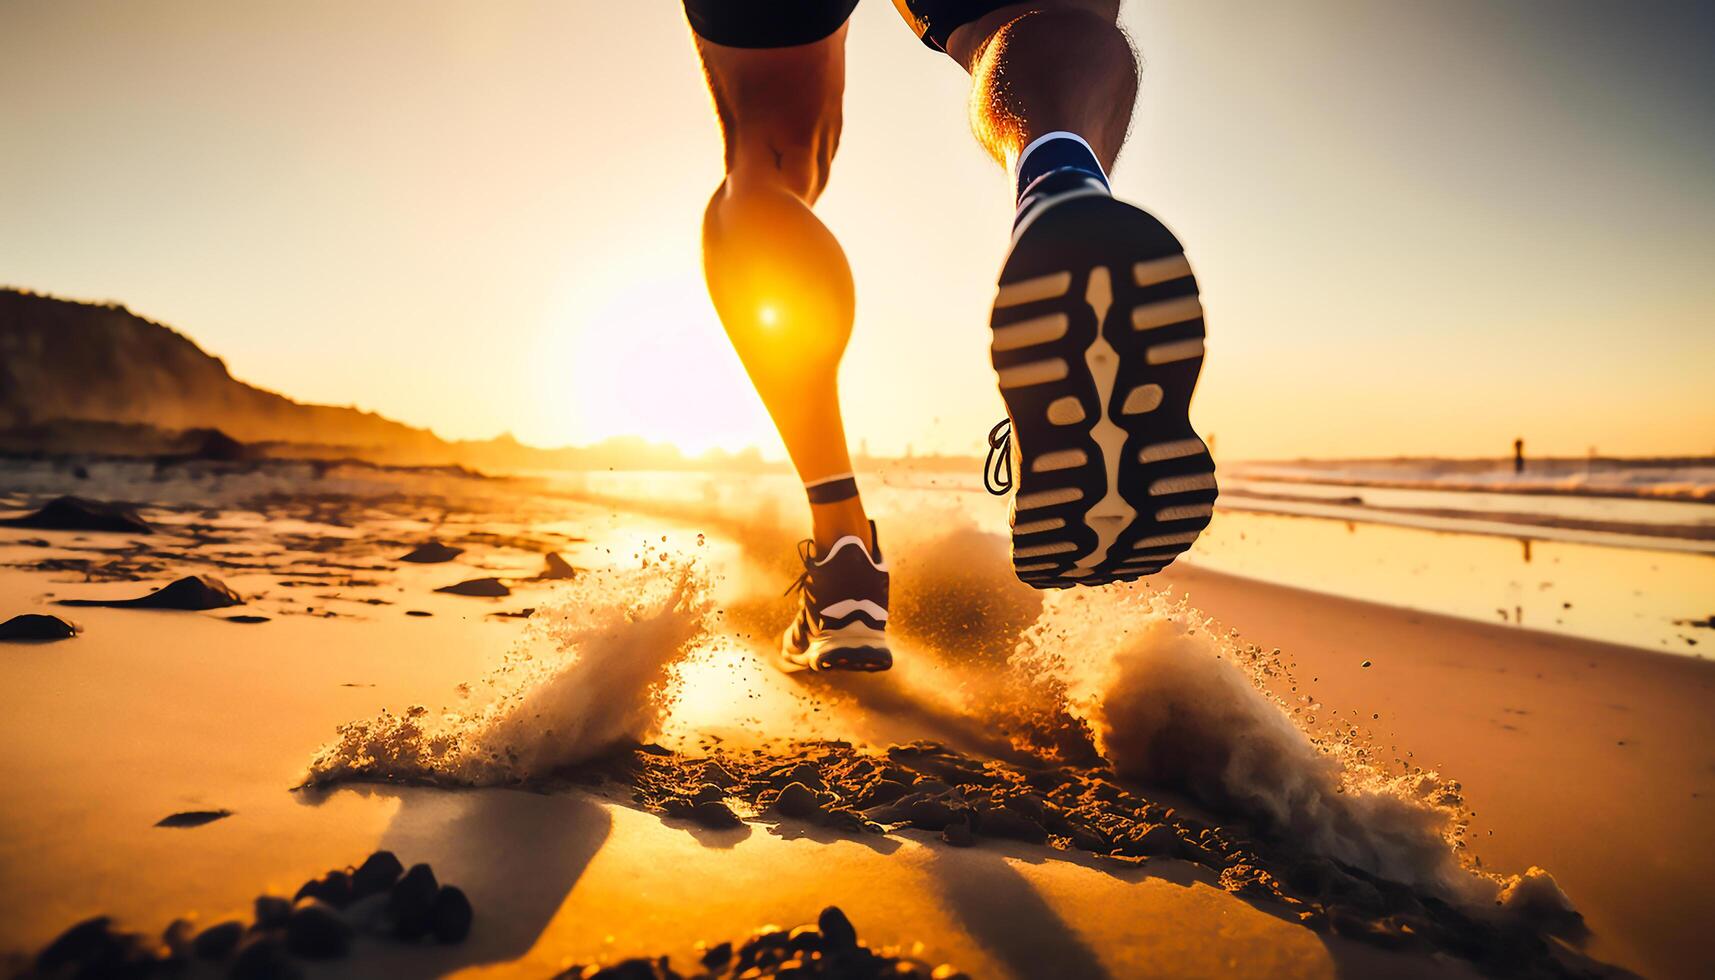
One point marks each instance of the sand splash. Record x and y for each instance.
(609, 682)
(1174, 704)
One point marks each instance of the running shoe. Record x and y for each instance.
(842, 609)
(1098, 340)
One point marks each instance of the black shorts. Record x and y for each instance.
(784, 23)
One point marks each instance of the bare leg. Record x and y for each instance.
(1041, 67)
(778, 278)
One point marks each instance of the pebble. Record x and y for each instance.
(77, 944)
(82, 514)
(557, 567)
(193, 592)
(837, 930)
(272, 911)
(715, 815)
(717, 956)
(411, 901)
(451, 915)
(218, 941)
(316, 931)
(192, 818)
(958, 834)
(378, 873)
(489, 588)
(32, 626)
(432, 552)
(334, 888)
(263, 957)
(178, 937)
(798, 800)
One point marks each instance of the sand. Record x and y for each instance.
(150, 713)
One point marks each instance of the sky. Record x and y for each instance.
(1419, 228)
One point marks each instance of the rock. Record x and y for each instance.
(849, 821)
(804, 939)
(928, 814)
(882, 791)
(418, 612)
(411, 901)
(798, 800)
(715, 815)
(715, 773)
(83, 942)
(263, 957)
(218, 941)
(82, 514)
(1156, 840)
(334, 888)
(487, 588)
(718, 956)
(632, 969)
(557, 567)
(193, 592)
(837, 930)
(315, 931)
(378, 873)
(431, 553)
(32, 626)
(958, 834)
(450, 917)
(178, 937)
(272, 911)
(212, 445)
(1002, 822)
(192, 818)
(245, 619)
(802, 772)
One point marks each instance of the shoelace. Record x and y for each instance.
(997, 471)
(807, 555)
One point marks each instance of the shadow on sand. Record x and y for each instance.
(519, 850)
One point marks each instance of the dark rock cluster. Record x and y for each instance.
(828, 948)
(926, 787)
(379, 898)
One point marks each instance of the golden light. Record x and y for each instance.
(768, 315)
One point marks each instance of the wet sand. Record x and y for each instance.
(1593, 760)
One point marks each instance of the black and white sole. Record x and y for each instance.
(854, 649)
(1098, 340)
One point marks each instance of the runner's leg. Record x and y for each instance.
(778, 278)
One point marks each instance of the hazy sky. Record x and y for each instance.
(1419, 227)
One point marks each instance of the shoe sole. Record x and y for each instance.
(860, 655)
(1098, 341)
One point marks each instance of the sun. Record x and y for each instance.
(648, 360)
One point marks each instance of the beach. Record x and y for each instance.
(1588, 760)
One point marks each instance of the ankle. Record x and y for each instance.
(833, 521)
(1056, 152)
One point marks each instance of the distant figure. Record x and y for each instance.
(1097, 330)
(1518, 456)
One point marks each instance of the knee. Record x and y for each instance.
(796, 157)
